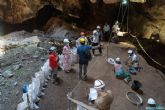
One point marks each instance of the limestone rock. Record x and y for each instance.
(16, 67)
(8, 74)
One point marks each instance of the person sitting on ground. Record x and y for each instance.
(133, 62)
(153, 106)
(66, 56)
(53, 63)
(100, 97)
(82, 35)
(96, 42)
(119, 71)
(84, 57)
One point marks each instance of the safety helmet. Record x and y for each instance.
(98, 84)
(130, 51)
(82, 33)
(52, 48)
(94, 31)
(98, 27)
(117, 59)
(151, 101)
(66, 41)
(82, 40)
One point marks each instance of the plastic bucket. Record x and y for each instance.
(136, 85)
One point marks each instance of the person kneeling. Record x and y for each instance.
(100, 97)
(119, 71)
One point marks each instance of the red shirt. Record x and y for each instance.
(53, 61)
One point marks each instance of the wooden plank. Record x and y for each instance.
(138, 1)
(82, 104)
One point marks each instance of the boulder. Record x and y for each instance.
(7, 74)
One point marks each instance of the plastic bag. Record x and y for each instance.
(36, 87)
(32, 98)
(60, 56)
(46, 68)
(41, 77)
(23, 105)
(74, 56)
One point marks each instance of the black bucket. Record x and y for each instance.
(136, 85)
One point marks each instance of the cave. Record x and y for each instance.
(38, 22)
(45, 13)
(25, 55)
(92, 15)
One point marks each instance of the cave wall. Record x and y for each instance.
(148, 18)
(17, 11)
(144, 18)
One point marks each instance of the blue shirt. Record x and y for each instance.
(82, 52)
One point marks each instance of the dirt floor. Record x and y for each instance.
(153, 83)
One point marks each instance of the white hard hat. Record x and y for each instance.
(99, 84)
(98, 27)
(52, 48)
(151, 101)
(130, 51)
(94, 31)
(66, 40)
(117, 59)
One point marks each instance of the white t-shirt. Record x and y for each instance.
(95, 38)
(106, 28)
(133, 57)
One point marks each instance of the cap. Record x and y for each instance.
(82, 33)
(130, 51)
(117, 59)
(151, 101)
(66, 40)
(98, 84)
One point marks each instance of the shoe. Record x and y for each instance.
(56, 83)
(127, 80)
(67, 71)
(84, 78)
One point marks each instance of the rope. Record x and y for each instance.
(123, 15)
(146, 52)
(127, 18)
(119, 12)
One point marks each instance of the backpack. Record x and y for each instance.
(88, 54)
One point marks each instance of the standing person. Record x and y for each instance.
(106, 30)
(100, 33)
(53, 63)
(82, 35)
(84, 56)
(115, 30)
(96, 42)
(66, 56)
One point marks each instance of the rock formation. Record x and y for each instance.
(145, 19)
